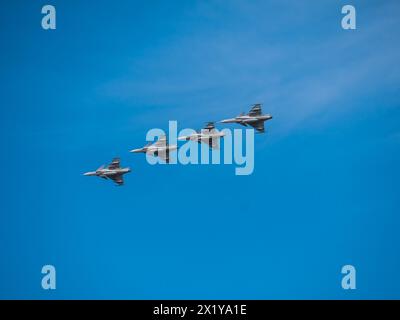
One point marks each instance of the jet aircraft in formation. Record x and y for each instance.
(208, 135)
(254, 118)
(113, 171)
(162, 149)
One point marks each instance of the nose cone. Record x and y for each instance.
(136, 150)
(89, 173)
(227, 120)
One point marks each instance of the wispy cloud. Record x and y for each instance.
(301, 74)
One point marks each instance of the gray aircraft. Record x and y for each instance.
(207, 135)
(160, 149)
(254, 118)
(113, 171)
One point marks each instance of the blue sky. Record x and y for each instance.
(324, 192)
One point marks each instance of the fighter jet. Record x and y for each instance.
(207, 135)
(160, 148)
(254, 118)
(113, 171)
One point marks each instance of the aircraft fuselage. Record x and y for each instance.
(104, 173)
(247, 119)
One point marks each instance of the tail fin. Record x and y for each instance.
(209, 125)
